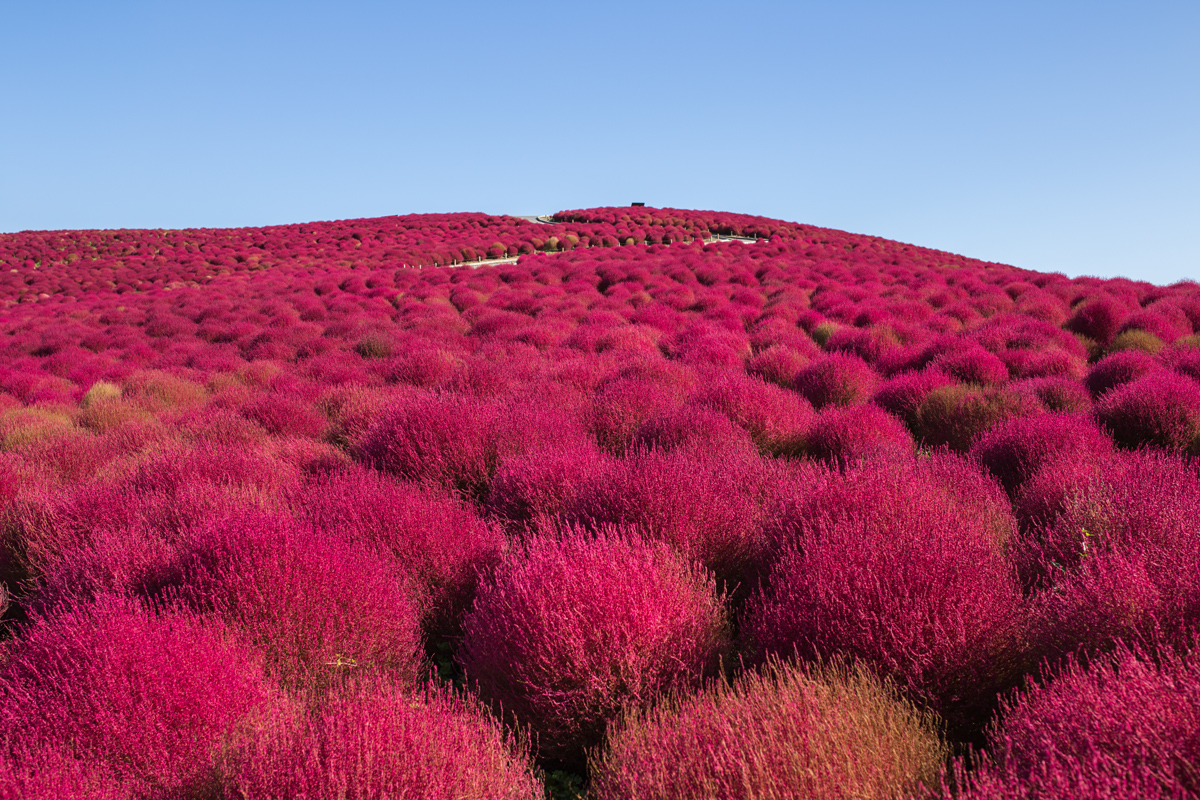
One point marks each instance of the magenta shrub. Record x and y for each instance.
(885, 566)
(837, 379)
(1117, 369)
(775, 418)
(902, 394)
(1125, 727)
(378, 741)
(434, 538)
(972, 365)
(621, 407)
(317, 606)
(537, 486)
(1014, 450)
(150, 698)
(703, 504)
(847, 435)
(572, 630)
(785, 732)
(1160, 409)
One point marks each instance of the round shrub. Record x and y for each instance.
(538, 485)
(780, 364)
(1117, 369)
(149, 698)
(378, 741)
(1138, 340)
(449, 440)
(623, 405)
(693, 428)
(701, 503)
(883, 566)
(317, 606)
(1015, 449)
(1125, 727)
(1119, 559)
(837, 379)
(973, 365)
(1160, 409)
(903, 394)
(846, 435)
(1060, 394)
(784, 732)
(775, 418)
(571, 630)
(955, 416)
(435, 538)
(1098, 318)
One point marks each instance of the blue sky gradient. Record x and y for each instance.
(1058, 136)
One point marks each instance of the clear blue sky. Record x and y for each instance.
(1060, 136)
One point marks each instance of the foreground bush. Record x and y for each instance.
(1126, 727)
(149, 699)
(888, 569)
(571, 630)
(784, 733)
(433, 537)
(1016, 449)
(317, 606)
(1160, 409)
(380, 741)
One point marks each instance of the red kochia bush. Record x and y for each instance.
(1160, 409)
(1119, 560)
(1126, 727)
(150, 698)
(844, 436)
(775, 418)
(702, 504)
(1117, 369)
(1016, 449)
(314, 604)
(957, 415)
(571, 630)
(446, 439)
(837, 379)
(828, 733)
(381, 741)
(435, 538)
(899, 574)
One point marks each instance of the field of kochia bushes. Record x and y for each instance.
(316, 511)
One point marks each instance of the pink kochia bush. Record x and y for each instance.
(703, 504)
(378, 740)
(1119, 560)
(844, 436)
(150, 699)
(1016, 449)
(837, 379)
(1160, 409)
(317, 606)
(430, 535)
(1128, 726)
(892, 569)
(571, 630)
(785, 732)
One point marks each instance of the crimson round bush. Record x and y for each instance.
(148, 699)
(837, 379)
(1126, 726)
(775, 418)
(903, 394)
(1015, 449)
(435, 538)
(846, 435)
(955, 416)
(571, 630)
(782, 732)
(900, 575)
(1118, 560)
(1117, 369)
(1160, 409)
(379, 740)
(315, 605)
(703, 504)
